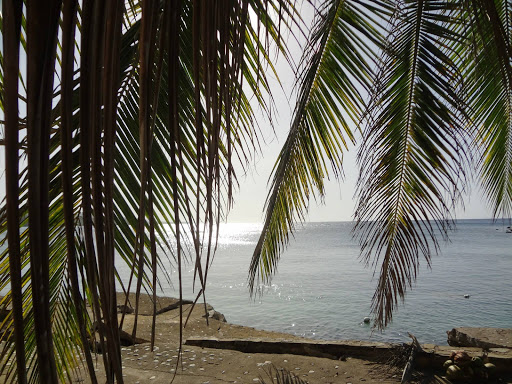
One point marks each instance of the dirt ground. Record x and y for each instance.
(204, 365)
(215, 366)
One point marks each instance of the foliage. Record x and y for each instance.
(122, 120)
(280, 376)
(436, 105)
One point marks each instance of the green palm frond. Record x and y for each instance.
(336, 69)
(133, 126)
(65, 325)
(412, 158)
(489, 77)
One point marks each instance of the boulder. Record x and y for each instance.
(124, 309)
(480, 337)
(213, 314)
(173, 306)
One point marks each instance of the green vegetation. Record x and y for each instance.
(437, 76)
(121, 117)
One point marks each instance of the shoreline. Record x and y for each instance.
(211, 365)
(220, 352)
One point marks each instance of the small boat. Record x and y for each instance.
(508, 230)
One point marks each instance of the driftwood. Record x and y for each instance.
(409, 367)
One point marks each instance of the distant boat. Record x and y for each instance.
(508, 230)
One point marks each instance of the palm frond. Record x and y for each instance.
(91, 212)
(489, 77)
(41, 48)
(65, 326)
(412, 157)
(11, 31)
(336, 67)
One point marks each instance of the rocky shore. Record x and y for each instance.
(480, 337)
(216, 351)
(220, 352)
(211, 365)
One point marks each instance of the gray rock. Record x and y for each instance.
(173, 306)
(125, 338)
(213, 314)
(124, 309)
(480, 337)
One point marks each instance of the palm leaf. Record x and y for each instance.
(336, 67)
(65, 327)
(412, 157)
(94, 199)
(12, 12)
(489, 77)
(41, 47)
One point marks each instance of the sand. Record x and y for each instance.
(204, 365)
(209, 365)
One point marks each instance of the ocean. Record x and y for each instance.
(323, 291)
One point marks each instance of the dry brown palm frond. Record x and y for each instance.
(276, 375)
(82, 189)
(12, 12)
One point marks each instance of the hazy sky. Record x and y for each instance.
(339, 201)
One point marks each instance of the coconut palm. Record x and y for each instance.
(427, 85)
(124, 116)
(122, 123)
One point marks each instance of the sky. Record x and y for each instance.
(339, 203)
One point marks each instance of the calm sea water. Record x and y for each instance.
(323, 291)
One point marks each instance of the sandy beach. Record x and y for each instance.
(237, 357)
(208, 365)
